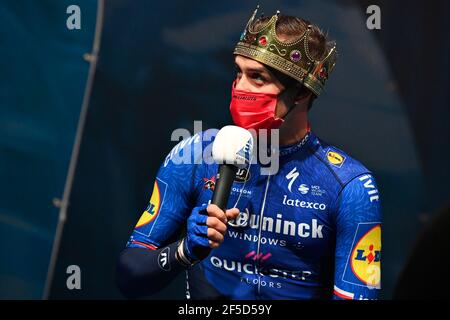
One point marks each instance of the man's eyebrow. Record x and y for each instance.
(260, 69)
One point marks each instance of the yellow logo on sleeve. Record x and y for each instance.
(366, 257)
(335, 158)
(153, 208)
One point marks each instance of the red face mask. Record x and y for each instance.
(251, 110)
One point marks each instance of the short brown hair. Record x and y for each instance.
(289, 29)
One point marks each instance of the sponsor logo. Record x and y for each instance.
(209, 183)
(304, 204)
(292, 176)
(242, 175)
(254, 238)
(240, 97)
(277, 226)
(163, 259)
(241, 220)
(260, 281)
(364, 262)
(368, 184)
(251, 269)
(317, 190)
(154, 206)
(261, 257)
(238, 191)
(303, 189)
(335, 158)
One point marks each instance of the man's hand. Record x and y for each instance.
(206, 229)
(217, 223)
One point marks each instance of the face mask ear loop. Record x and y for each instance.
(293, 107)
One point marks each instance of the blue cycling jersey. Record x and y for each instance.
(310, 231)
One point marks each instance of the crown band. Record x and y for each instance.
(271, 60)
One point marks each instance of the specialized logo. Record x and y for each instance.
(242, 175)
(163, 259)
(292, 176)
(364, 263)
(159, 190)
(209, 183)
(336, 159)
(304, 188)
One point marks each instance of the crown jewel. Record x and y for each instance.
(291, 58)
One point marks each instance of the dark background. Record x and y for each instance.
(162, 65)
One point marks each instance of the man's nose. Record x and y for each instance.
(243, 84)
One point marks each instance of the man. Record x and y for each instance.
(312, 230)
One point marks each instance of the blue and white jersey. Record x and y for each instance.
(310, 231)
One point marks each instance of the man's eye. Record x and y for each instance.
(258, 77)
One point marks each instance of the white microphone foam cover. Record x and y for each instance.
(233, 145)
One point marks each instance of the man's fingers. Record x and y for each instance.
(215, 211)
(215, 235)
(231, 214)
(213, 244)
(215, 223)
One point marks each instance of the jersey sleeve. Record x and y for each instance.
(358, 241)
(171, 199)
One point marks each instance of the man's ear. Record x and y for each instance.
(302, 95)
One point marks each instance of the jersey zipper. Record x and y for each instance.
(259, 236)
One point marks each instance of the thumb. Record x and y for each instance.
(232, 213)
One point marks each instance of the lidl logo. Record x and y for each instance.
(364, 264)
(335, 158)
(154, 206)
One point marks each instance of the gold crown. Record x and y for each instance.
(291, 58)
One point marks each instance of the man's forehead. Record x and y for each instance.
(249, 63)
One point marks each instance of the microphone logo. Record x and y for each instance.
(244, 153)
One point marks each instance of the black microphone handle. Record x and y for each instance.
(222, 188)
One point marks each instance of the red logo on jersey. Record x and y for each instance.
(210, 183)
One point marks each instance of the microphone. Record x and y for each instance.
(232, 149)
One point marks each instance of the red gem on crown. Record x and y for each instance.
(263, 41)
(323, 73)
